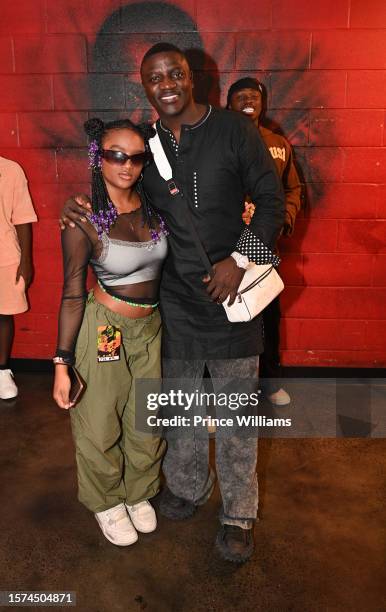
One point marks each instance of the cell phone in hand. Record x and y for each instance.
(77, 386)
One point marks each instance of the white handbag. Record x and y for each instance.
(260, 285)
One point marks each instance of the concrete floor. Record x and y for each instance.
(320, 543)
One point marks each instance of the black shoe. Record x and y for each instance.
(174, 507)
(234, 543)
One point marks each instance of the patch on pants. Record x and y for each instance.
(109, 342)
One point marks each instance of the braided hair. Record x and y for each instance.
(104, 211)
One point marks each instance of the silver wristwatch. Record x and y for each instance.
(242, 261)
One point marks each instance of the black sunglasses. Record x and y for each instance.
(119, 158)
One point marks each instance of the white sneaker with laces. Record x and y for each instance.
(116, 526)
(143, 516)
(8, 389)
(280, 398)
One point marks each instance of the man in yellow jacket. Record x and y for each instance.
(246, 96)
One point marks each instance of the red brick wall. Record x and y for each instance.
(324, 67)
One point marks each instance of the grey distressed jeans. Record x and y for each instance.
(186, 463)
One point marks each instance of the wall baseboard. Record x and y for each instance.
(45, 365)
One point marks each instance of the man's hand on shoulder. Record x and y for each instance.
(225, 281)
(75, 209)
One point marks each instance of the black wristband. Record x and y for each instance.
(64, 357)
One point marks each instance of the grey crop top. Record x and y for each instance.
(127, 263)
(129, 270)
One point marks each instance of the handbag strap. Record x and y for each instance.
(257, 280)
(165, 170)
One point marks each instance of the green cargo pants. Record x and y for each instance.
(115, 462)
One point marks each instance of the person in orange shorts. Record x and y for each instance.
(16, 215)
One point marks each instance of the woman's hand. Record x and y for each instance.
(75, 209)
(62, 386)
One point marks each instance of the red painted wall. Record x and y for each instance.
(324, 66)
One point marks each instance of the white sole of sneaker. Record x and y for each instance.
(8, 397)
(146, 530)
(276, 403)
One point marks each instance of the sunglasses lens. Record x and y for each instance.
(119, 158)
(138, 158)
(114, 157)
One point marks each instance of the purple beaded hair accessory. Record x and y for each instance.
(104, 219)
(156, 235)
(94, 158)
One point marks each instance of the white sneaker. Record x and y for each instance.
(8, 389)
(280, 398)
(116, 526)
(143, 516)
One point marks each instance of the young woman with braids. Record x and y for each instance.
(112, 336)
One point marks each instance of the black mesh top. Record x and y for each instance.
(81, 246)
